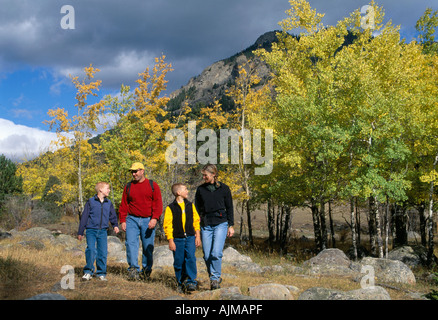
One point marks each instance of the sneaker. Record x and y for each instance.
(215, 284)
(102, 278)
(87, 277)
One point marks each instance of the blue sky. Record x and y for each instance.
(122, 38)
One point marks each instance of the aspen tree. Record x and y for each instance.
(73, 131)
(139, 132)
(248, 101)
(343, 112)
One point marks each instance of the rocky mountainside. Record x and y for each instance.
(212, 83)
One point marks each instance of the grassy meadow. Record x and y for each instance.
(26, 271)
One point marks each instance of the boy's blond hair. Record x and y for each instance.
(100, 185)
(176, 187)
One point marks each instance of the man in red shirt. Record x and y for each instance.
(139, 211)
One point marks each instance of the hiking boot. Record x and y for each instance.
(145, 275)
(179, 288)
(133, 275)
(191, 287)
(87, 277)
(215, 284)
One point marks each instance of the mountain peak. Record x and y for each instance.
(202, 90)
(266, 39)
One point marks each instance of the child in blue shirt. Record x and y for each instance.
(97, 214)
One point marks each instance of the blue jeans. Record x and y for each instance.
(138, 227)
(213, 241)
(184, 260)
(97, 250)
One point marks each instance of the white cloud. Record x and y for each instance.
(23, 143)
(19, 142)
(123, 68)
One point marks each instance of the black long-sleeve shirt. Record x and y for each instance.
(214, 204)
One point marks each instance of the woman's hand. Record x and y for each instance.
(230, 232)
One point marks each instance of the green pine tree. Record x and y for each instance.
(9, 182)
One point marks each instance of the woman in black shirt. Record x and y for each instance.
(214, 204)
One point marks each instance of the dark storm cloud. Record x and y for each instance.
(123, 37)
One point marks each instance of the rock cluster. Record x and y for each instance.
(329, 262)
(334, 262)
(369, 293)
(36, 237)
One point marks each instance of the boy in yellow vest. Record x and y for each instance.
(182, 228)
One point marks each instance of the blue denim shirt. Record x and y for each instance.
(97, 215)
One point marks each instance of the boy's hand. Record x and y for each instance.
(80, 238)
(197, 238)
(116, 229)
(172, 246)
(197, 242)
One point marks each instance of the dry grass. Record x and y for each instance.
(27, 271)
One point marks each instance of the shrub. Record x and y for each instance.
(21, 212)
(9, 182)
(433, 295)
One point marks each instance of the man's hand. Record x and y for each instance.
(123, 225)
(152, 223)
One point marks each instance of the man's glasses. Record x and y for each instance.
(135, 171)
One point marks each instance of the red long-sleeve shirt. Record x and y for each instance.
(142, 202)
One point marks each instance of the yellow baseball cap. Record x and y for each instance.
(137, 166)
